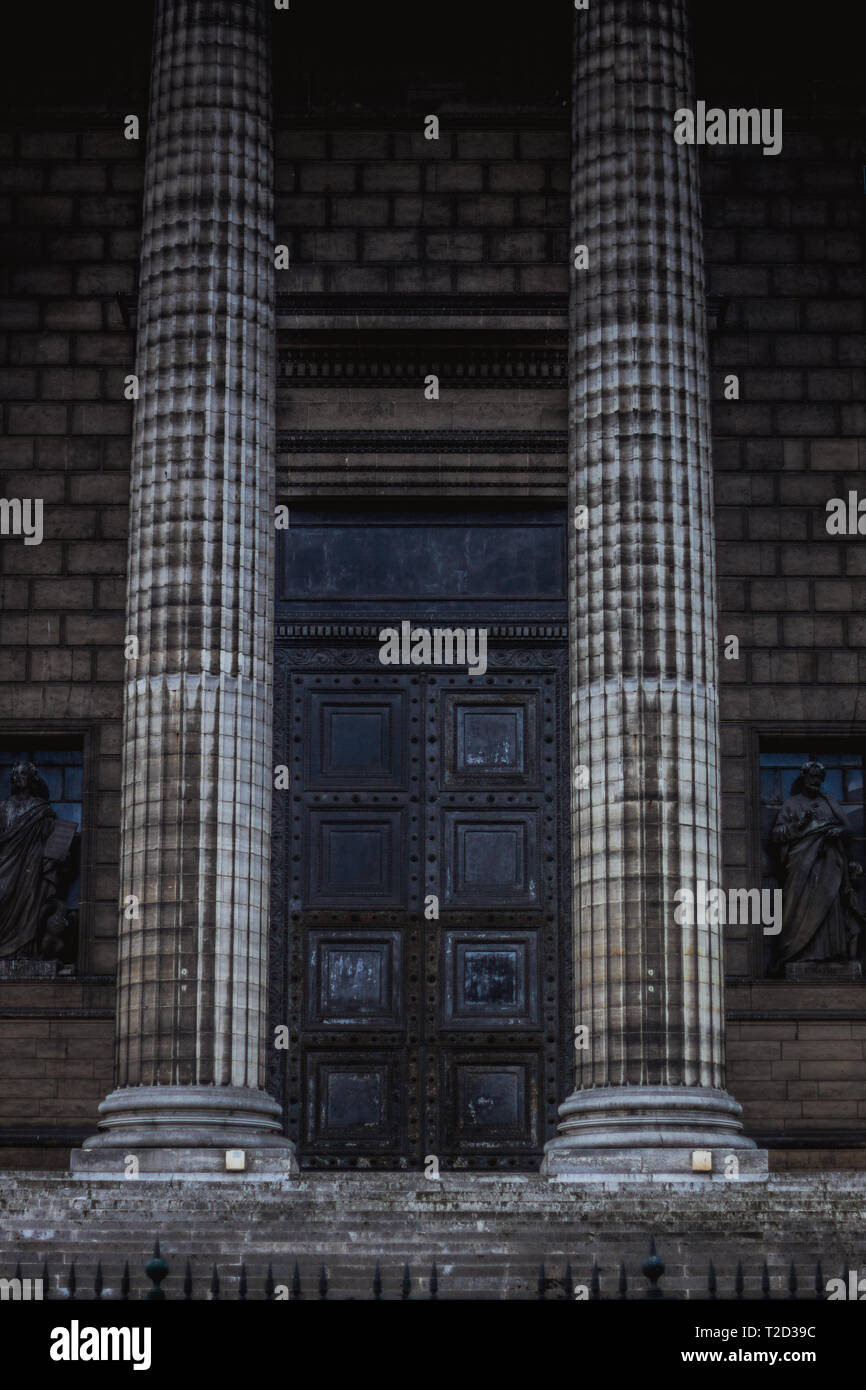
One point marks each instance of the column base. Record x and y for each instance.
(163, 1132)
(653, 1134)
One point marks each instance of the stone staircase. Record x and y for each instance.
(487, 1235)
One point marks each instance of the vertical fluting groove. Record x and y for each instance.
(642, 575)
(198, 701)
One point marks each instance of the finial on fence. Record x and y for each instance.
(819, 1281)
(156, 1269)
(653, 1268)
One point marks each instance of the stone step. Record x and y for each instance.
(487, 1238)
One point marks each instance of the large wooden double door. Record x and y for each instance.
(421, 925)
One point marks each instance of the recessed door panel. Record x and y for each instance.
(354, 856)
(355, 739)
(490, 978)
(354, 978)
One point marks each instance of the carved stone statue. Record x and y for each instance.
(821, 921)
(34, 846)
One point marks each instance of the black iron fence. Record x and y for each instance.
(235, 1283)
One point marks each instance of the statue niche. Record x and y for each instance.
(35, 870)
(821, 921)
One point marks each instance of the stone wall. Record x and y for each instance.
(784, 244)
(388, 211)
(70, 207)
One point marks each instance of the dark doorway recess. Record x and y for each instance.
(415, 1036)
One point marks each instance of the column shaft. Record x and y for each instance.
(196, 798)
(642, 604)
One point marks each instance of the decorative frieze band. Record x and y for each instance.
(389, 358)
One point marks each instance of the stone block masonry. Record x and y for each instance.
(789, 256)
(68, 245)
(488, 1235)
(386, 210)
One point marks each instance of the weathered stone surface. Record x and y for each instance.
(642, 596)
(487, 1235)
(196, 794)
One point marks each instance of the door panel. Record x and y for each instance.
(413, 793)
(491, 802)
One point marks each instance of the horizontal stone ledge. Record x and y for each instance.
(525, 442)
(469, 312)
(810, 1138)
(43, 1137)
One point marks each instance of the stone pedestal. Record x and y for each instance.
(658, 1133)
(180, 1131)
(648, 991)
(197, 766)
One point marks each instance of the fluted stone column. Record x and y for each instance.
(197, 768)
(650, 1083)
